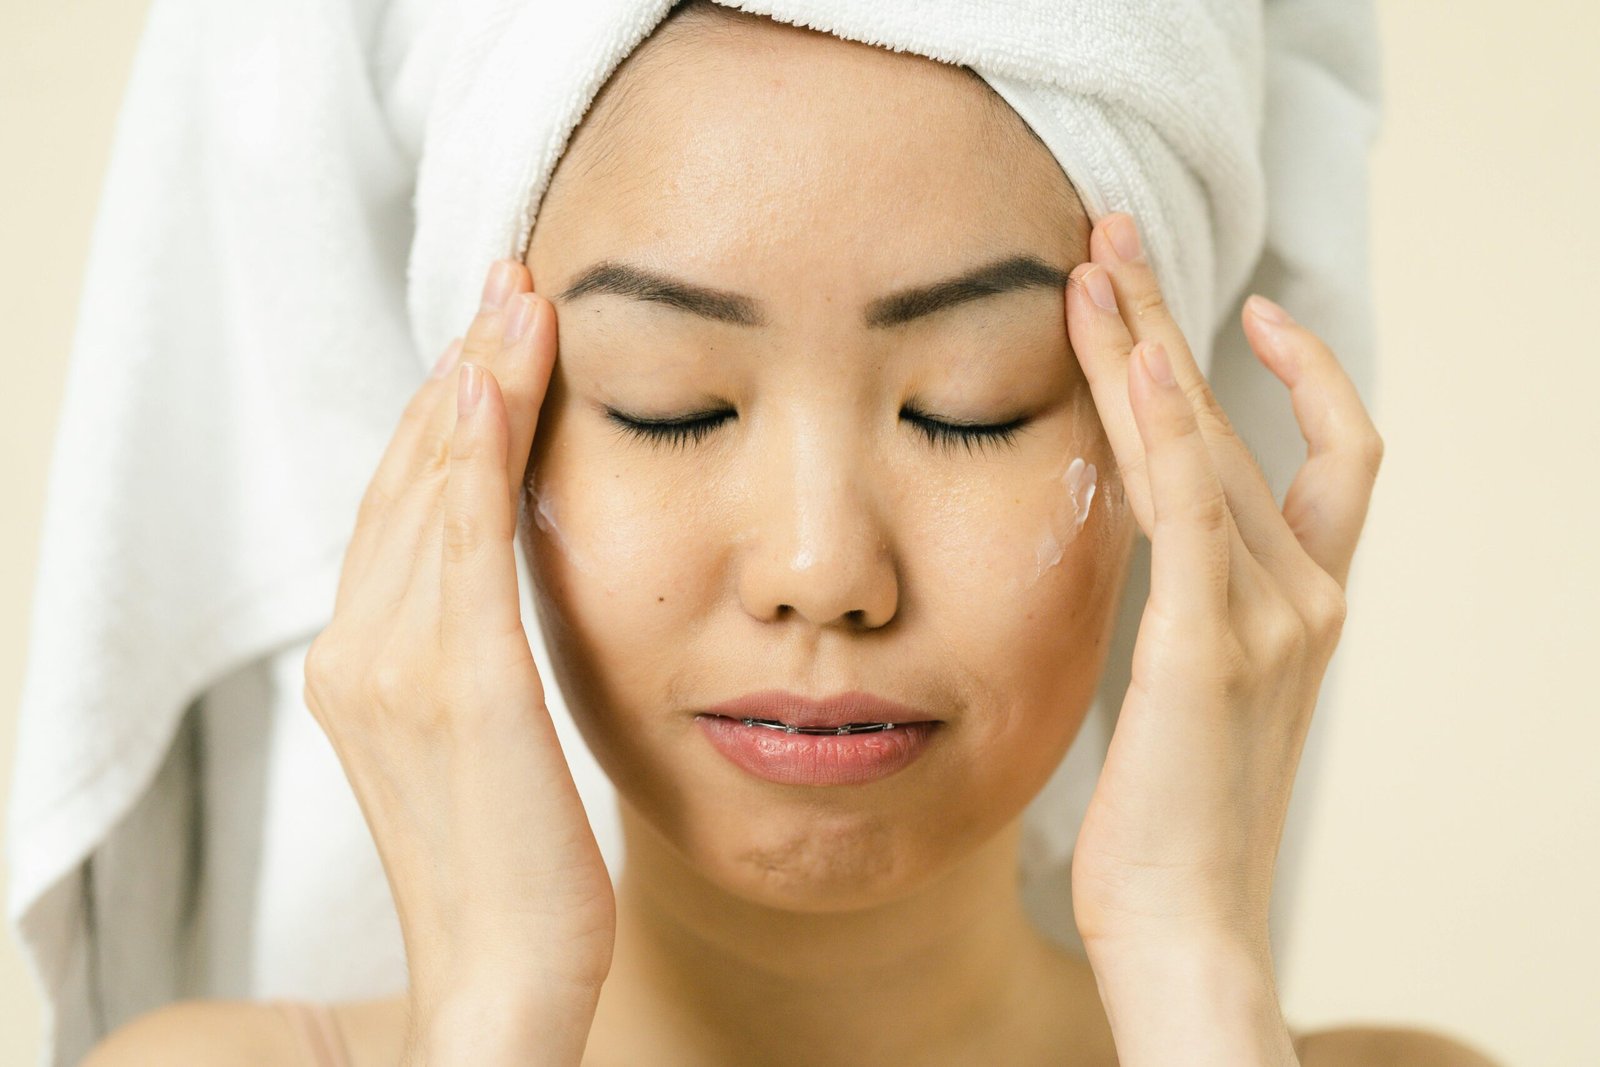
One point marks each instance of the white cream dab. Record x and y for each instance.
(1067, 520)
(544, 517)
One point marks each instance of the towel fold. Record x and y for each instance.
(301, 200)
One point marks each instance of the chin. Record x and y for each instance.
(811, 849)
(807, 850)
(838, 865)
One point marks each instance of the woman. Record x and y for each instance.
(816, 429)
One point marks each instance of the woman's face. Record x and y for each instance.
(818, 532)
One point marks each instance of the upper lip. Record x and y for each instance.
(799, 710)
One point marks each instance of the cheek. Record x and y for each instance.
(609, 531)
(1020, 582)
(1022, 542)
(617, 554)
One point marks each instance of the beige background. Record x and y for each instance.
(1456, 851)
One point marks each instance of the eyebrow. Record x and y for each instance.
(1005, 275)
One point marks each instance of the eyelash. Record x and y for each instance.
(683, 432)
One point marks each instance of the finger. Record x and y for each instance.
(529, 355)
(1114, 244)
(1192, 529)
(526, 349)
(422, 439)
(1102, 344)
(388, 483)
(480, 345)
(517, 349)
(1326, 506)
(476, 565)
(402, 500)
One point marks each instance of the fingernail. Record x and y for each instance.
(1156, 363)
(521, 317)
(502, 281)
(1267, 311)
(1098, 282)
(447, 359)
(1124, 237)
(469, 389)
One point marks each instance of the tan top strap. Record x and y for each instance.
(318, 1030)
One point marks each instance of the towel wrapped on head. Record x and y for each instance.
(301, 202)
(1153, 107)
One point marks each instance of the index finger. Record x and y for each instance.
(420, 443)
(421, 440)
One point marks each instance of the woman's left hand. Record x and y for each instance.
(1246, 604)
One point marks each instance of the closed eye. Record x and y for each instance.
(974, 435)
(691, 429)
(672, 433)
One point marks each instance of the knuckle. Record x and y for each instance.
(1204, 401)
(1147, 300)
(1203, 503)
(422, 413)
(1285, 635)
(1237, 675)
(1327, 607)
(434, 452)
(1135, 470)
(1274, 629)
(377, 502)
(420, 408)
(1281, 641)
(462, 534)
(325, 666)
(324, 657)
(391, 683)
(1201, 516)
(1370, 449)
(1209, 511)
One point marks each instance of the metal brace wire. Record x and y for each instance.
(848, 728)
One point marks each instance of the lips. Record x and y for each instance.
(795, 709)
(819, 759)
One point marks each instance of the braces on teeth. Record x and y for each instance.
(848, 728)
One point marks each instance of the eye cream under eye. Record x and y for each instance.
(544, 516)
(1077, 482)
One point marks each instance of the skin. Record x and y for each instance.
(817, 541)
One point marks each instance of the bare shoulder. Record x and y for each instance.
(225, 1033)
(244, 1033)
(1385, 1046)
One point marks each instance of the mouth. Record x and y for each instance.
(851, 712)
(796, 752)
(792, 728)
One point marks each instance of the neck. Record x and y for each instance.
(950, 972)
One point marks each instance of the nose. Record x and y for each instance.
(815, 544)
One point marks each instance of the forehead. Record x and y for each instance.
(760, 146)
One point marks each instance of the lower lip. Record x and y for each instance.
(816, 759)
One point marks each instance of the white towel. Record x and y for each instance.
(301, 200)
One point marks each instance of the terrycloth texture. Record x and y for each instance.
(301, 201)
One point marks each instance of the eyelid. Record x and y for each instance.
(975, 435)
(678, 430)
(683, 430)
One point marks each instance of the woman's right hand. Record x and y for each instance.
(426, 686)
